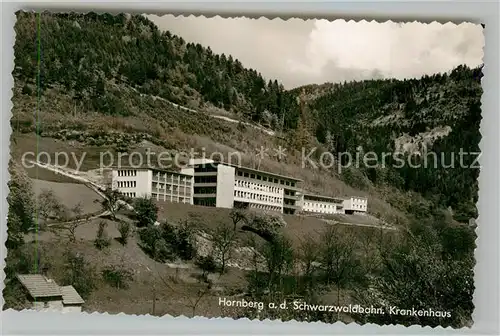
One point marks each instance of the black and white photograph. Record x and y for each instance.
(307, 170)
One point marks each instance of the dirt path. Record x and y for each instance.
(384, 227)
(260, 128)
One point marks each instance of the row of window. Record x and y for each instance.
(170, 187)
(129, 194)
(259, 197)
(266, 207)
(169, 177)
(172, 193)
(328, 211)
(205, 201)
(209, 168)
(127, 172)
(127, 184)
(205, 179)
(319, 205)
(359, 206)
(265, 178)
(205, 190)
(170, 198)
(257, 186)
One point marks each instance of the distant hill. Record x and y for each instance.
(435, 114)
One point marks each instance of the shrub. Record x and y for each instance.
(79, 274)
(124, 229)
(146, 211)
(207, 265)
(102, 240)
(166, 241)
(118, 277)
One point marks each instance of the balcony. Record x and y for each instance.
(291, 197)
(206, 184)
(291, 206)
(204, 195)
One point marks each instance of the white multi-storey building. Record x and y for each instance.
(322, 204)
(356, 204)
(228, 185)
(158, 184)
(224, 185)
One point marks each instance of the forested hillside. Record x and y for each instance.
(435, 114)
(92, 58)
(88, 53)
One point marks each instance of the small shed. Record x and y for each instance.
(72, 301)
(46, 295)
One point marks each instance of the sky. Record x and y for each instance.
(299, 52)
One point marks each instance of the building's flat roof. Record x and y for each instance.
(262, 171)
(325, 197)
(209, 163)
(151, 168)
(39, 286)
(363, 197)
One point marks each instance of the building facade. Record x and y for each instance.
(161, 185)
(218, 184)
(356, 205)
(322, 204)
(227, 185)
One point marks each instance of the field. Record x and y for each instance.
(70, 194)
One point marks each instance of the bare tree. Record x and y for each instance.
(193, 302)
(337, 258)
(279, 260)
(112, 202)
(48, 205)
(72, 225)
(237, 215)
(309, 257)
(223, 243)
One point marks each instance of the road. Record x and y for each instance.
(73, 174)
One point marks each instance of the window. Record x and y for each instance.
(240, 173)
(252, 176)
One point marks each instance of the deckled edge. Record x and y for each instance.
(271, 17)
(7, 96)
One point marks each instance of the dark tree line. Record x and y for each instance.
(85, 52)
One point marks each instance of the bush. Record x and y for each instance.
(167, 241)
(206, 264)
(146, 211)
(162, 251)
(117, 277)
(124, 229)
(185, 246)
(79, 274)
(102, 240)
